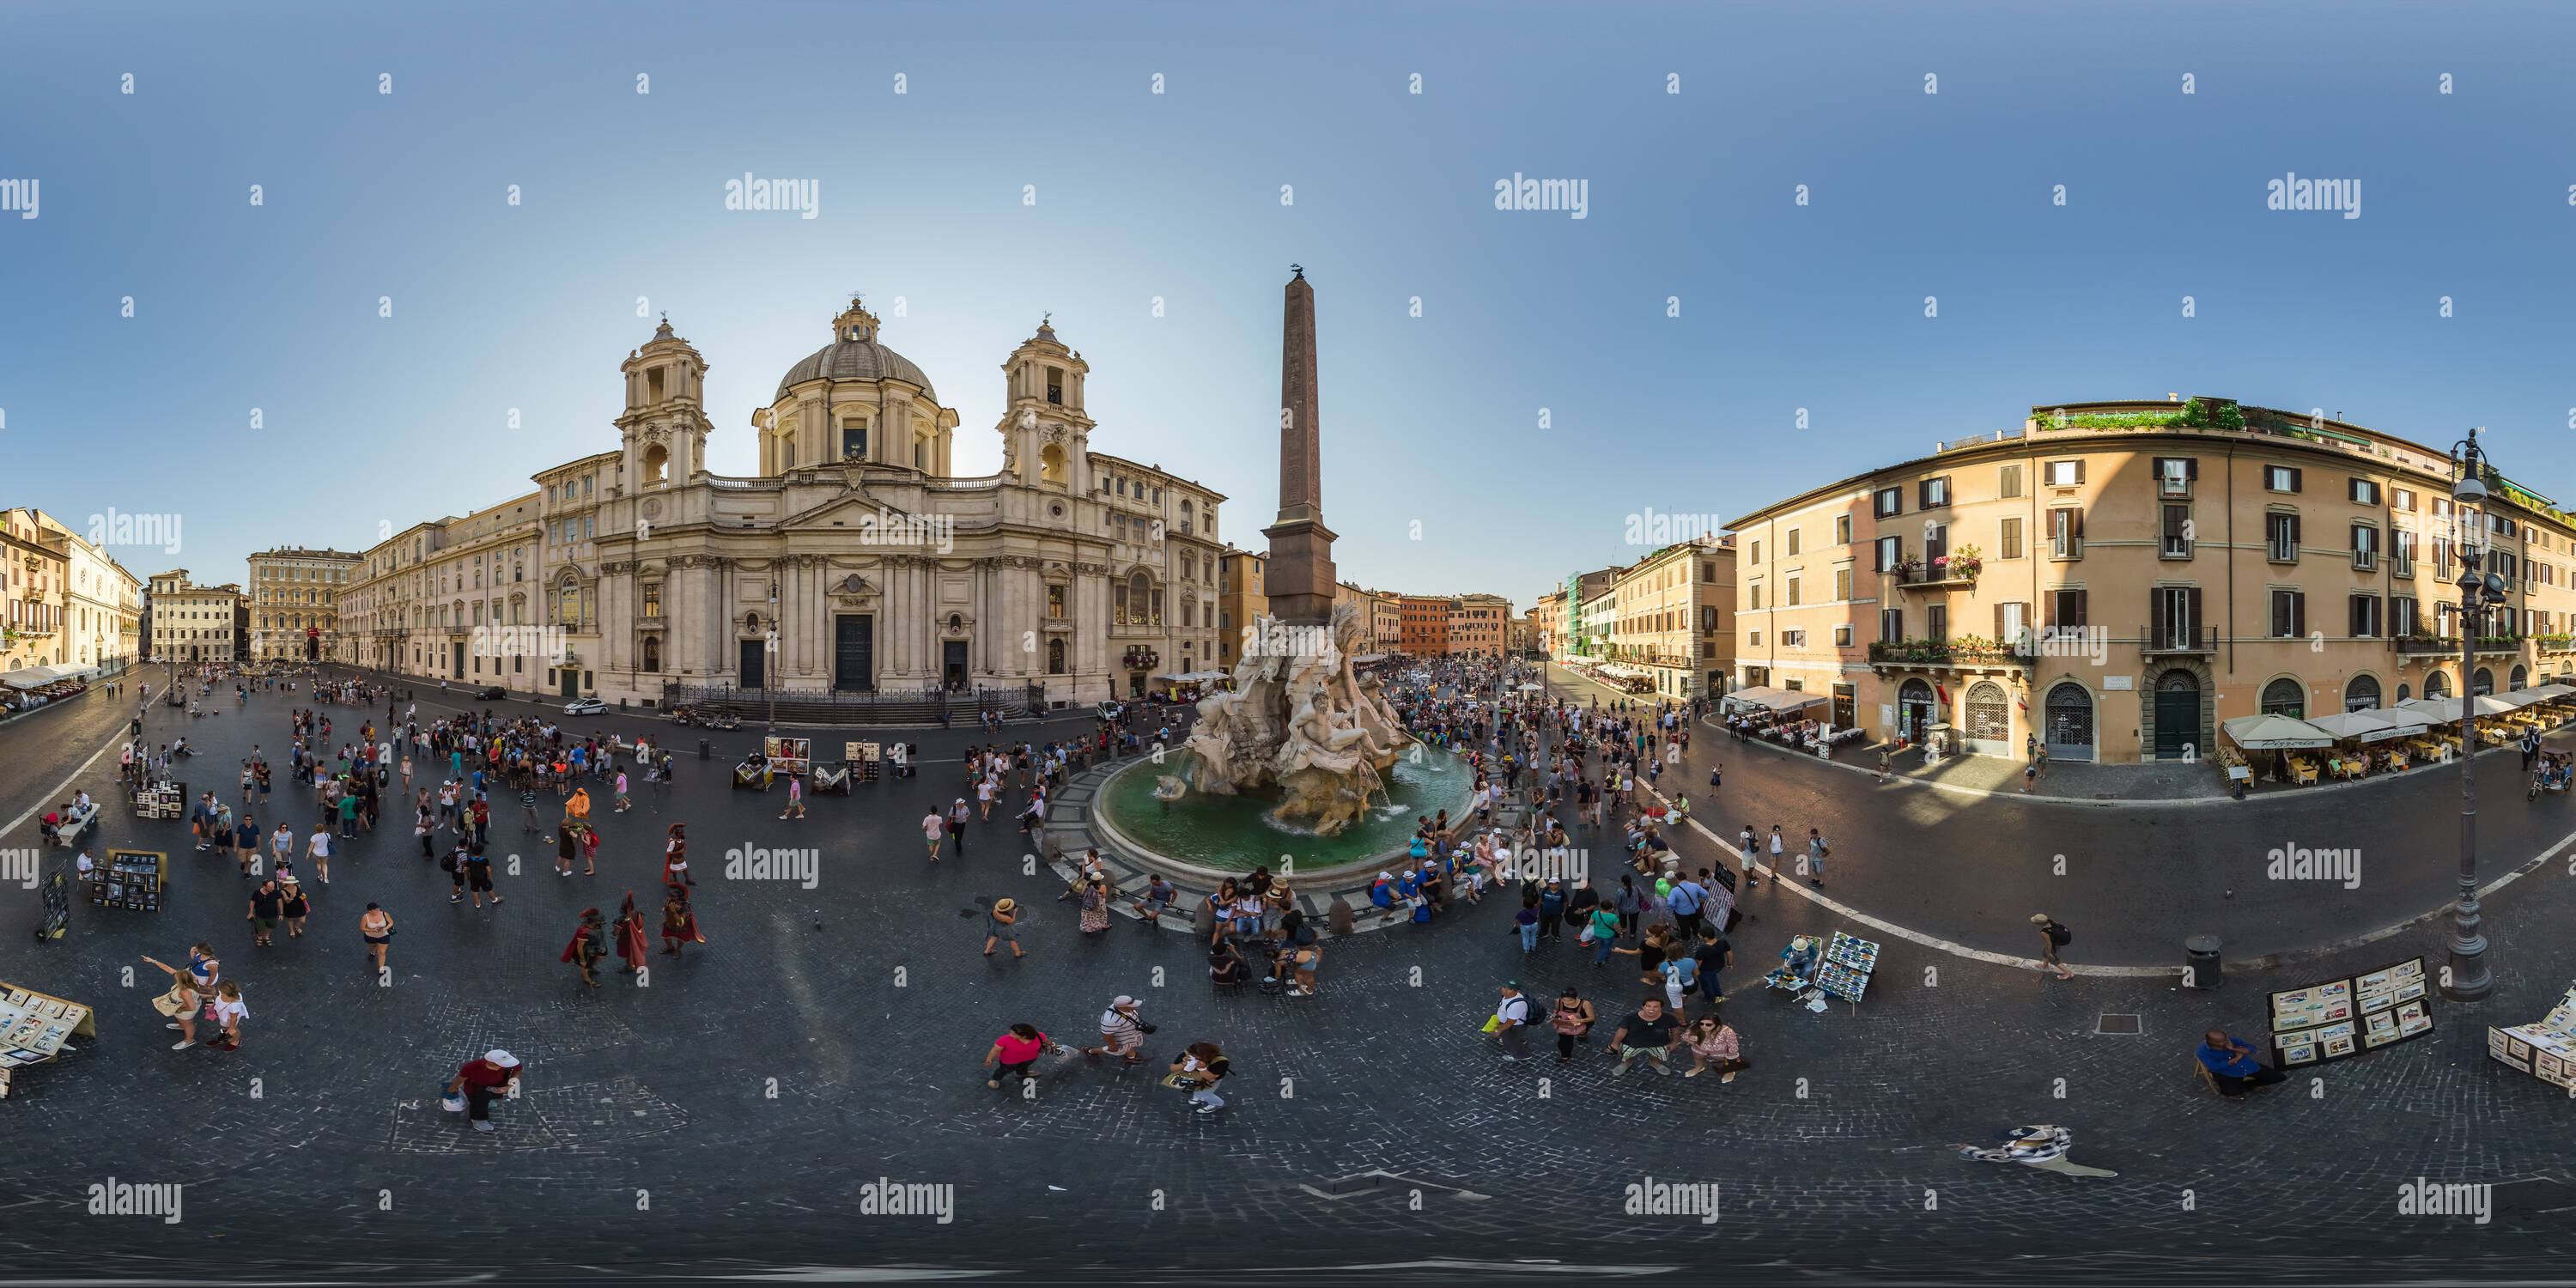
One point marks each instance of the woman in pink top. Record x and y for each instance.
(1016, 1054)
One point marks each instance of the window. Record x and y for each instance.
(2365, 546)
(2008, 542)
(2401, 552)
(2177, 532)
(1055, 385)
(1793, 591)
(2285, 697)
(2066, 534)
(2289, 614)
(1891, 625)
(1936, 543)
(2281, 533)
(2365, 616)
(1756, 592)
(1936, 625)
(1842, 584)
(2067, 609)
(1793, 541)
(2401, 498)
(652, 599)
(1756, 639)
(2066, 473)
(1888, 502)
(2011, 620)
(1842, 638)
(1936, 493)
(2174, 475)
(854, 437)
(1842, 529)
(1888, 551)
(2008, 482)
(2280, 478)
(1793, 639)
(2362, 491)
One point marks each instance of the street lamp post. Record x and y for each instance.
(2466, 978)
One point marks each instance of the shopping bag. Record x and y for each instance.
(1493, 1024)
(453, 1102)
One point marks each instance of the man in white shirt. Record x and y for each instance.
(934, 829)
(1512, 1019)
(319, 847)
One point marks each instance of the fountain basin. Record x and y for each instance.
(1225, 835)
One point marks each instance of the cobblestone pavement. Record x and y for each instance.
(730, 1115)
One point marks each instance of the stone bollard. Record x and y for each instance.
(1205, 921)
(1339, 918)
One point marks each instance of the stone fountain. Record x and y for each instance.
(1302, 719)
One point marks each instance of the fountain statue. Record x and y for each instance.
(1300, 718)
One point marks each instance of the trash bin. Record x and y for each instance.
(704, 751)
(2200, 962)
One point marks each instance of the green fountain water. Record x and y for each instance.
(1235, 833)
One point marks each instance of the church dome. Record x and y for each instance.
(854, 354)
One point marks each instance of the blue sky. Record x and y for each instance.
(1433, 418)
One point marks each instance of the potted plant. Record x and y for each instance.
(1963, 562)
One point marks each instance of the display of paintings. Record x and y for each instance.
(1846, 967)
(788, 755)
(2343, 1017)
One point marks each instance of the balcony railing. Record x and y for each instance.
(2177, 642)
(1950, 653)
(2447, 645)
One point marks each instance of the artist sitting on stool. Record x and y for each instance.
(2234, 1065)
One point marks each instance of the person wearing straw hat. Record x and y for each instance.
(1002, 923)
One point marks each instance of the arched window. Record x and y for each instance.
(1051, 465)
(2361, 693)
(2404, 692)
(2070, 722)
(2485, 682)
(657, 462)
(2285, 697)
(1139, 596)
(1055, 657)
(2437, 685)
(2517, 679)
(1989, 718)
(652, 653)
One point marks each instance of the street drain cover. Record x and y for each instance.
(2109, 1023)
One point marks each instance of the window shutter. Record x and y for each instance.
(2055, 597)
(2000, 636)
(2359, 607)
(1949, 496)
(1923, 495)
(2191, 467)
(2294, 534)
(2295, 473)
(2191, 611)
(2079, 514)
(2156, 614)
(2298, 614)
(2079, 472)
(2080, 607)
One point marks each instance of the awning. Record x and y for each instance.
(2447, 710)
(2551, 692)
(2520, 698)
(1771, 699)
(2274, 733)
(31, 677)
(2371, 725)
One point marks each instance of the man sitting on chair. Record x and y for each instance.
(2234, 1065)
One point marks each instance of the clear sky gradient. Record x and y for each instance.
(1436, 418)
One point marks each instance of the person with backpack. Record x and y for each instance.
(2053, 937)
(1199, 1070)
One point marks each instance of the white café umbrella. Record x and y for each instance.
(2371, 726)
(2446, 710)
(2275, 733)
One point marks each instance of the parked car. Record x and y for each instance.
(585, 707)
(491, 691)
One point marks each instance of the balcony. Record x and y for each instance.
(1948, 572)
(1967, 652)
(2449, 645)
(2177, 643)
(2555, 643)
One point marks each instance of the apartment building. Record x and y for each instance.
(1478, 625)
(2117, 578)
(1240, 601)
(1673, 618)
(294, 601)
(193, 623)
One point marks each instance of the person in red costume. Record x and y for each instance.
(589, 944)
(629, 935)
(679, 922)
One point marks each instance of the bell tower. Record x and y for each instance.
(1045, 435)
(663, 431)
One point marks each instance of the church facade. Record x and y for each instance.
(855, 561)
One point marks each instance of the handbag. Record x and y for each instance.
(170, 1003)
(452, 1101)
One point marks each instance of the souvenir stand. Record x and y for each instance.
(166, 798)
(36, 1029)
(789, 755)
(1847, 967)
(832, 778)
(129, 879)
(58, 903)
(2344, 1017)
(863, 758)
(2545, 1050)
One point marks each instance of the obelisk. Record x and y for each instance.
(1300, 576)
